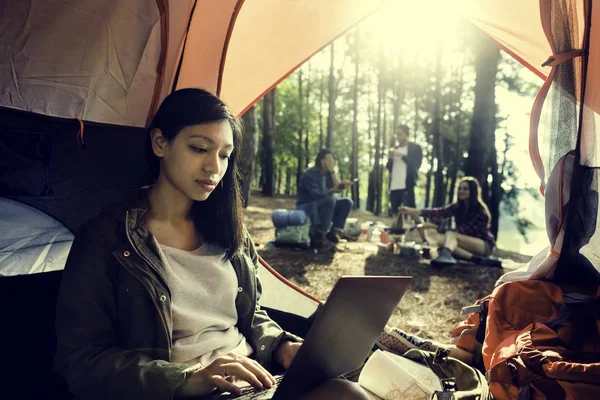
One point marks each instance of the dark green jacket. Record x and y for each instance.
(114, 321)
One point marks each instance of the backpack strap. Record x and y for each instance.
(524, 393)
(571, 300)
(480, 335)
(482, 310)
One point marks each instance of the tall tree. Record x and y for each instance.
(321, 92)
(268, 138)
(299, 150)
(438, 146)
(331, 99)
(354, 158)
(458, 130)
(375, 184)
(495, 189)
(249, 149)
(305, 119)
(483, 122)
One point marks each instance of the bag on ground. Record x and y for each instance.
(536, 340)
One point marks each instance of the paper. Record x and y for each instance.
(389, 378)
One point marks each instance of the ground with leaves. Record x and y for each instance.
(432, 306)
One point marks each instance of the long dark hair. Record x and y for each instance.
(474, 202)
(321, 155)
(219, 218)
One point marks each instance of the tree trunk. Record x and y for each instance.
(321, 91)
(377, 164)
(416, 104)
(278, 176)
(495, 192)
(483, 123)
(438, 143)
(429, 175)
(332, 97)
(289, 172)
(249, 149)
(306, 141)
(354, 159)
(371, 192)
(458, 126)
(382, 183)
(299, 150)
(268, 143)
(370, 126)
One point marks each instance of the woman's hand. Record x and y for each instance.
(222, 374)
(409, 210)
(347, 183)
(286, 351)
(427, 225)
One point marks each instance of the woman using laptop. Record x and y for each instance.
(159, 297)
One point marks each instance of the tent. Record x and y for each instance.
(79, 81)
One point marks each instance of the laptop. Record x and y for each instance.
(341, 337)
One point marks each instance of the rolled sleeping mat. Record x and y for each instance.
(283, 218)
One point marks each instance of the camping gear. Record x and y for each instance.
(353, 227)
(31, 241)
(459, 380)
(535, 348)
(294, 235)
(134, 55)
(72, 137)
(292, 228)
(130, 67)
(284, 218)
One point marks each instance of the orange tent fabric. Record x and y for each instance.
(114, 61)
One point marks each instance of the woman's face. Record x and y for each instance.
(463, 191)
(196, 160)
(328, 162)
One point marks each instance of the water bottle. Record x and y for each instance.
(425, 250)
(371, 228)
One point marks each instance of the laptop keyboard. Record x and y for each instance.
(252, 393)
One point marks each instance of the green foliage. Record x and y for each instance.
(509, 76)
(408, 83)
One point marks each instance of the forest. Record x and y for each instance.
(349, 97)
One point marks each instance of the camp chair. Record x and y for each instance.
(29, 337)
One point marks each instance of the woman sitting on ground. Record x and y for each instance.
(471, 239)
(159, 297)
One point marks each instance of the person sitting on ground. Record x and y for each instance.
(471, 239)
(159, 296)
(316, 197)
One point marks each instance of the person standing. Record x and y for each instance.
(403, 163)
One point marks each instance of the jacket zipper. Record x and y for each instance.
(140, 252)
(161, 276)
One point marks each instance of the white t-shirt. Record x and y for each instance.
(204, 287)
(399, 168)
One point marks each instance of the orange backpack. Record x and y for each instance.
(534, 341)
